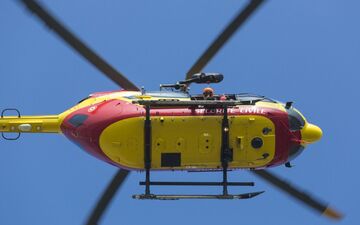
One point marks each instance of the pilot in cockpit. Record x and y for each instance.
(208, 93)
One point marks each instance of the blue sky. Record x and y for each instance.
(304, 51)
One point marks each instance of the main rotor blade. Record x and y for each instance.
(318, 206)
(107, 196)
(79, 46)
(224, 37)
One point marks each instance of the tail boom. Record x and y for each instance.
(30, 124)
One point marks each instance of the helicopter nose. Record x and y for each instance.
(311, 133)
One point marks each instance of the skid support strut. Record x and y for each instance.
(226, 152)
(147, 149)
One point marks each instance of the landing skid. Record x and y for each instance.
(178, 197)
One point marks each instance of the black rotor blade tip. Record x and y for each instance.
(305, 198)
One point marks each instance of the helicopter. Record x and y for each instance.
(238, 131)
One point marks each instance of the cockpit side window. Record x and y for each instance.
(166, 94)
(246, 97)
(295, 151)
(296, 121)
